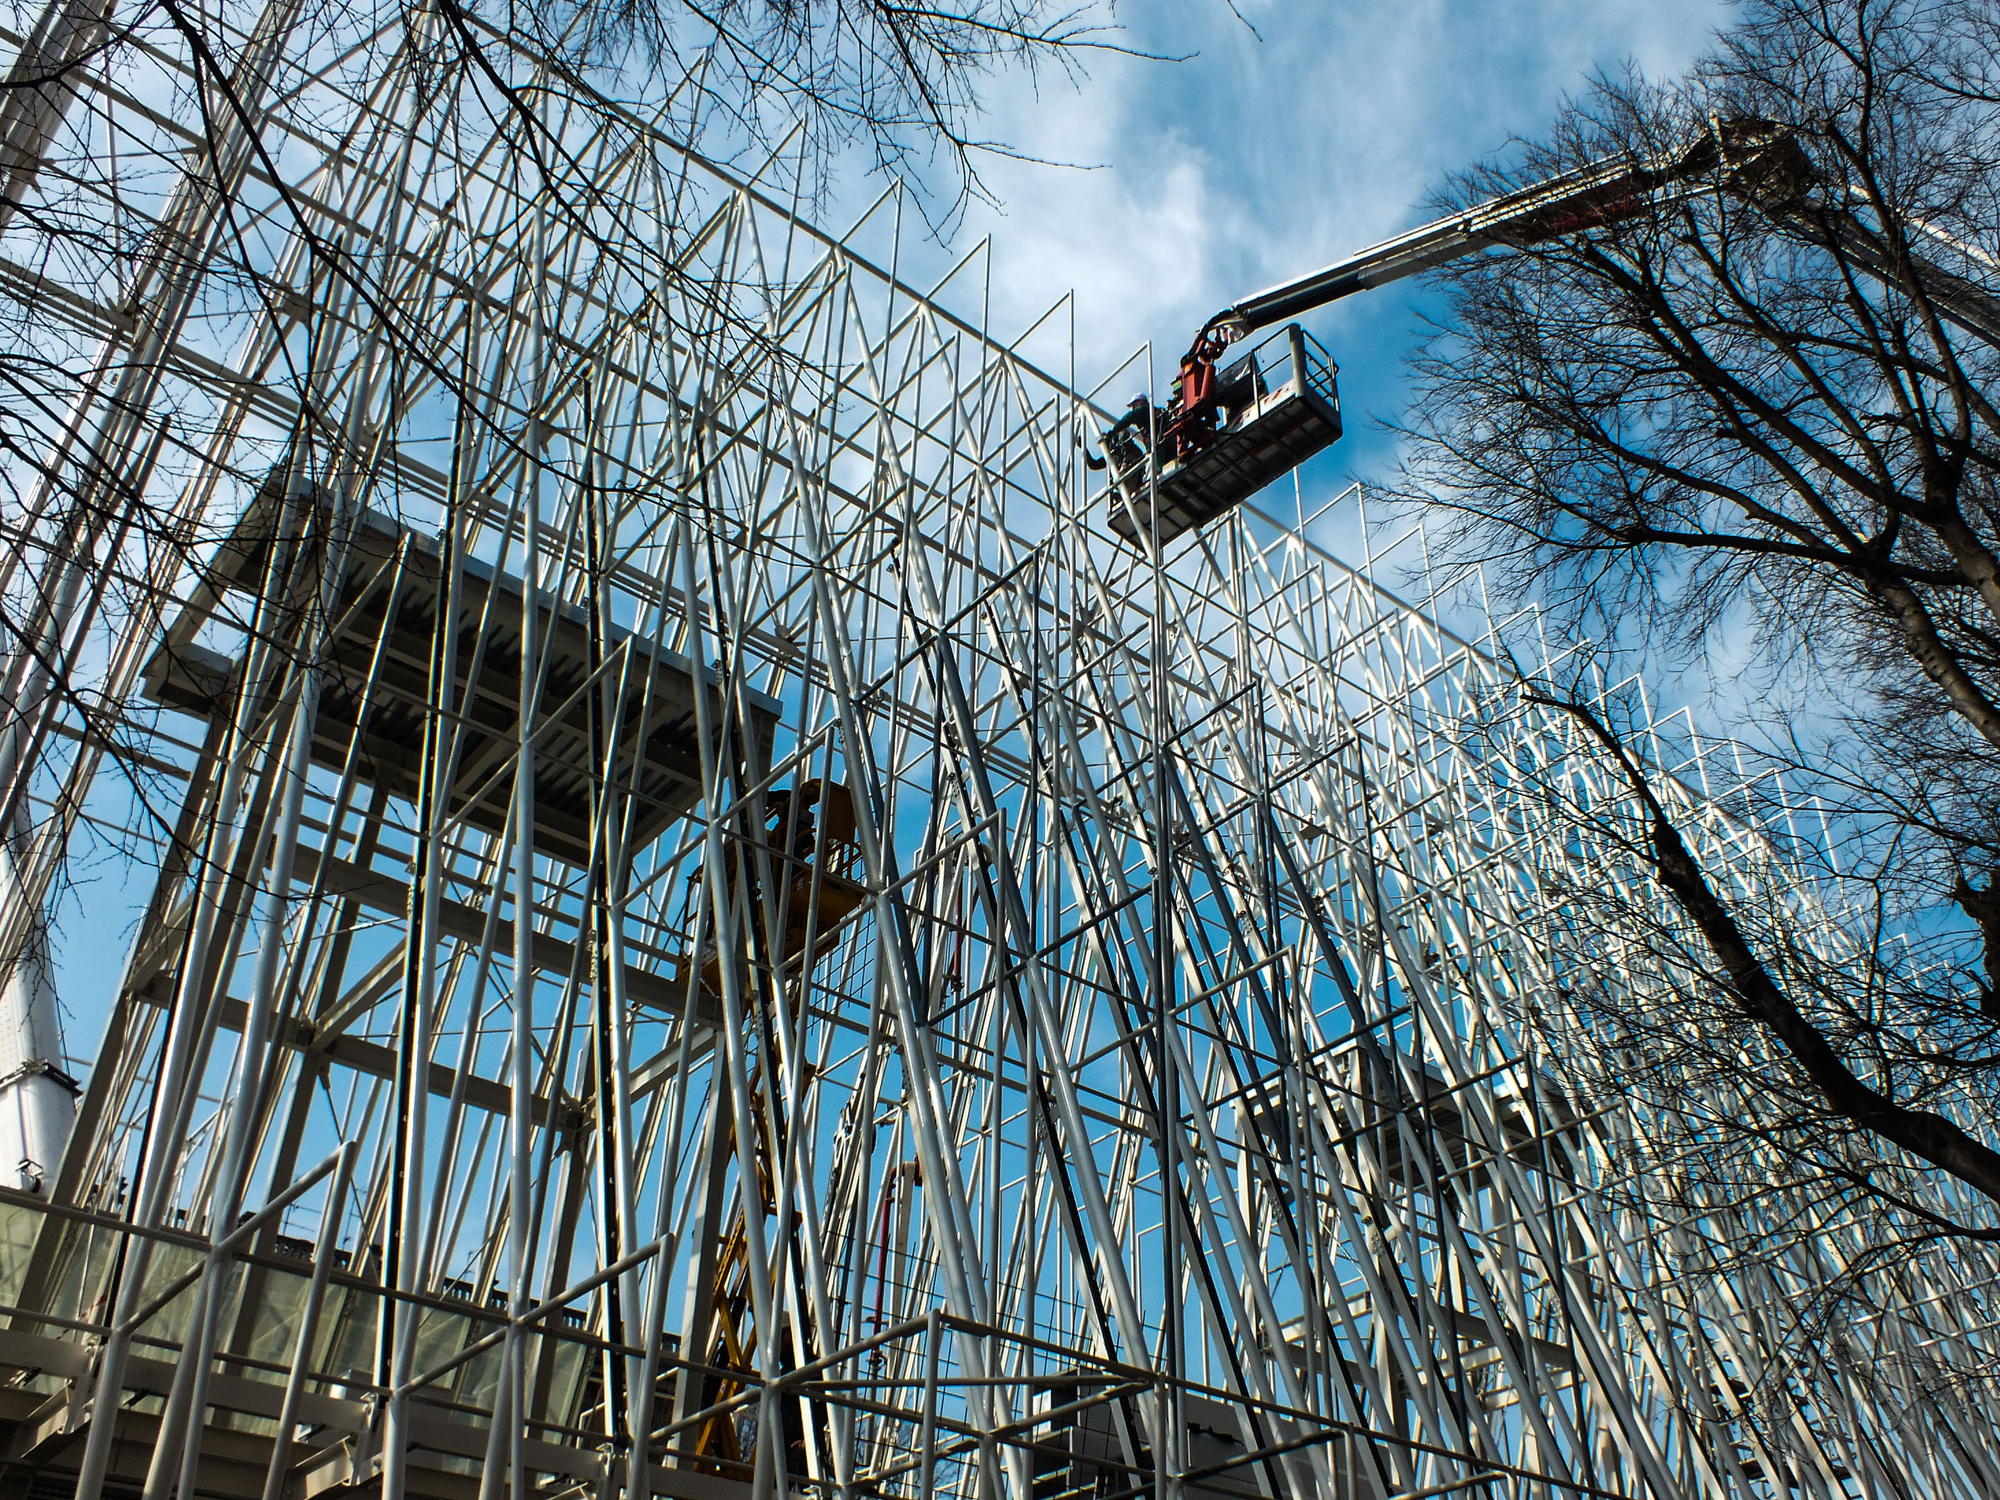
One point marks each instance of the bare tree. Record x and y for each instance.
(1765, 410)
(903, 79)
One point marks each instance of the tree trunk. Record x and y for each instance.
(1927, 1136)
(1939, 662)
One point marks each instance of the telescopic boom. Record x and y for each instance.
(1588, 198)
(1759, 161)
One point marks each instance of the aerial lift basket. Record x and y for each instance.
(1224, 436)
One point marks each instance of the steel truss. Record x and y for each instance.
(709, 922)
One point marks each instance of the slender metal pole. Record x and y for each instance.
(927, 1438)
(304, 1345)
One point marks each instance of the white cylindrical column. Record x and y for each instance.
(37, 1094)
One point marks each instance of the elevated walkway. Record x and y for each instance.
(375, 686)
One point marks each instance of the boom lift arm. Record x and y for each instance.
(1761, 162)
(1588, 198)
(1223, 437)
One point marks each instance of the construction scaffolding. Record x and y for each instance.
(715, 930)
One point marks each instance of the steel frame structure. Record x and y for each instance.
(479, 520)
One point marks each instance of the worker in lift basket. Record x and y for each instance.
(1126, 441)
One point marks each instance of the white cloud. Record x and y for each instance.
(1265, 155)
